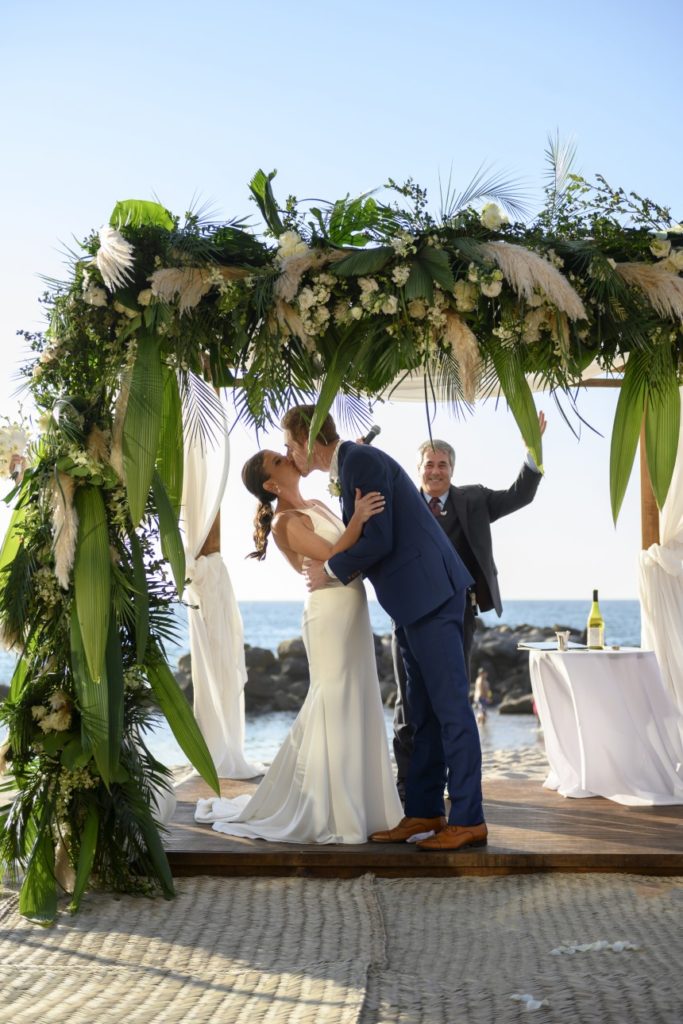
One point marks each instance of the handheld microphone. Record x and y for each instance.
(372, 434)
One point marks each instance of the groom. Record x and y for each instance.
(421, 583)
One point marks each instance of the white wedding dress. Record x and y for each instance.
(331, 780)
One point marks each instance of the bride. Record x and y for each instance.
(331, 781)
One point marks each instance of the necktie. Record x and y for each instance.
(435, 506)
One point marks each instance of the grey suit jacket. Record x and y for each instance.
(475, 507)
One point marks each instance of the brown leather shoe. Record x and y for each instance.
(407, 828)
(454, 837)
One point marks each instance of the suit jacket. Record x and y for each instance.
(475, 507)
(411, 564)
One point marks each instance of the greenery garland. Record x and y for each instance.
(339, 298)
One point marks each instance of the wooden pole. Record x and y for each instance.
(649, 513)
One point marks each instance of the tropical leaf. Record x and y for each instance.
(435, 262)
(86, 856)
(367, 261)
(140, 598)
(511, 193)
(260, 188)
(137, 213)
(142, 424)
(328, 392)
(150, 833)
(16, 685)
(93, 704)
(92, 576)
(628, 419)
(518, 394)
(13, 537)
(420, 284)
(170, 460)
(179, 716)
(169, 534)
(38, 893)
(662, 428)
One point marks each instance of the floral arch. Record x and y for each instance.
(344, 298)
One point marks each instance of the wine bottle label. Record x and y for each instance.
(595, 637)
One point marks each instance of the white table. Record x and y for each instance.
(610, 727)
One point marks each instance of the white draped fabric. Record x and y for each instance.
(661, 588)
(215, 624)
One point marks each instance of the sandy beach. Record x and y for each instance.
(566, 948)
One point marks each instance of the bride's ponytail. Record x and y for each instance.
(253, 478)
(262, 524)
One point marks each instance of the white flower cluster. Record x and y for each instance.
(312, 303)
(58, 719)
(669, 259)
(403, 244)
(13, 442)
(46, 587)
(92, 293)
(490, 281)
(492, 217)
(290, 243)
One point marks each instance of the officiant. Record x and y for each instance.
(465, 515)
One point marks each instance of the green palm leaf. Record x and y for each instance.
(662, 427)
(260, 188)
(142, 424)
(86, 856)
(516, 389)
(628, 419)
(328, 392)
(38, 894)
(138, 213)
(150, 833)
(13, 538)
(169, 534)
(181, 720)
(92, 576)
(170, 459)
(100, 703)
(367, 261)
(140, 598)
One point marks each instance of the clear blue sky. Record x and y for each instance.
(181, 100)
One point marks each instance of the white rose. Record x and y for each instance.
(368, 285)
(466, 296)
(94, 295)
(491, 288)
(417, 309)
(535, 300)
(676, 259)
(676, 229)
(492, 217)
(145, 297)
(660, 248)
(390, 305)
(125, 310)
(290, 244)
(356, 312)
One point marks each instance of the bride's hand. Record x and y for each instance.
(367, 505)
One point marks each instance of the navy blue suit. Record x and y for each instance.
(421, 582)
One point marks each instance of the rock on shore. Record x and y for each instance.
(280, 682)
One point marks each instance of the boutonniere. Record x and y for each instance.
(334, 487)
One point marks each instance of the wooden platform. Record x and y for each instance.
(530, 829)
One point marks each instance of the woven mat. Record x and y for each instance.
(372, 951)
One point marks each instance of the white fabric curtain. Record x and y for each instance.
(661, 587)
(215, 624)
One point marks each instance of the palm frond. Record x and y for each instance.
(560, 157)
(203, 414)
(513, 194)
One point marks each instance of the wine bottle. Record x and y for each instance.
(595, 628)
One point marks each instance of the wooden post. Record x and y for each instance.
(649, 513)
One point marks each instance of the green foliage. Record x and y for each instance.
(169, 534)
(137, 213)
(628, 418)
(261, 190)
(142, 424)
(92, 576)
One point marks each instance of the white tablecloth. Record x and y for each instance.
(610, 727)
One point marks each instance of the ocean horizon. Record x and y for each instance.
(268, 623)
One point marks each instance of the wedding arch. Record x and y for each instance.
(347, 298)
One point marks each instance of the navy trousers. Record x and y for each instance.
(446, 747)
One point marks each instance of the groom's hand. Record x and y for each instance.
(315, 575)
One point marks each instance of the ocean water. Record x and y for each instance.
(268, 623)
